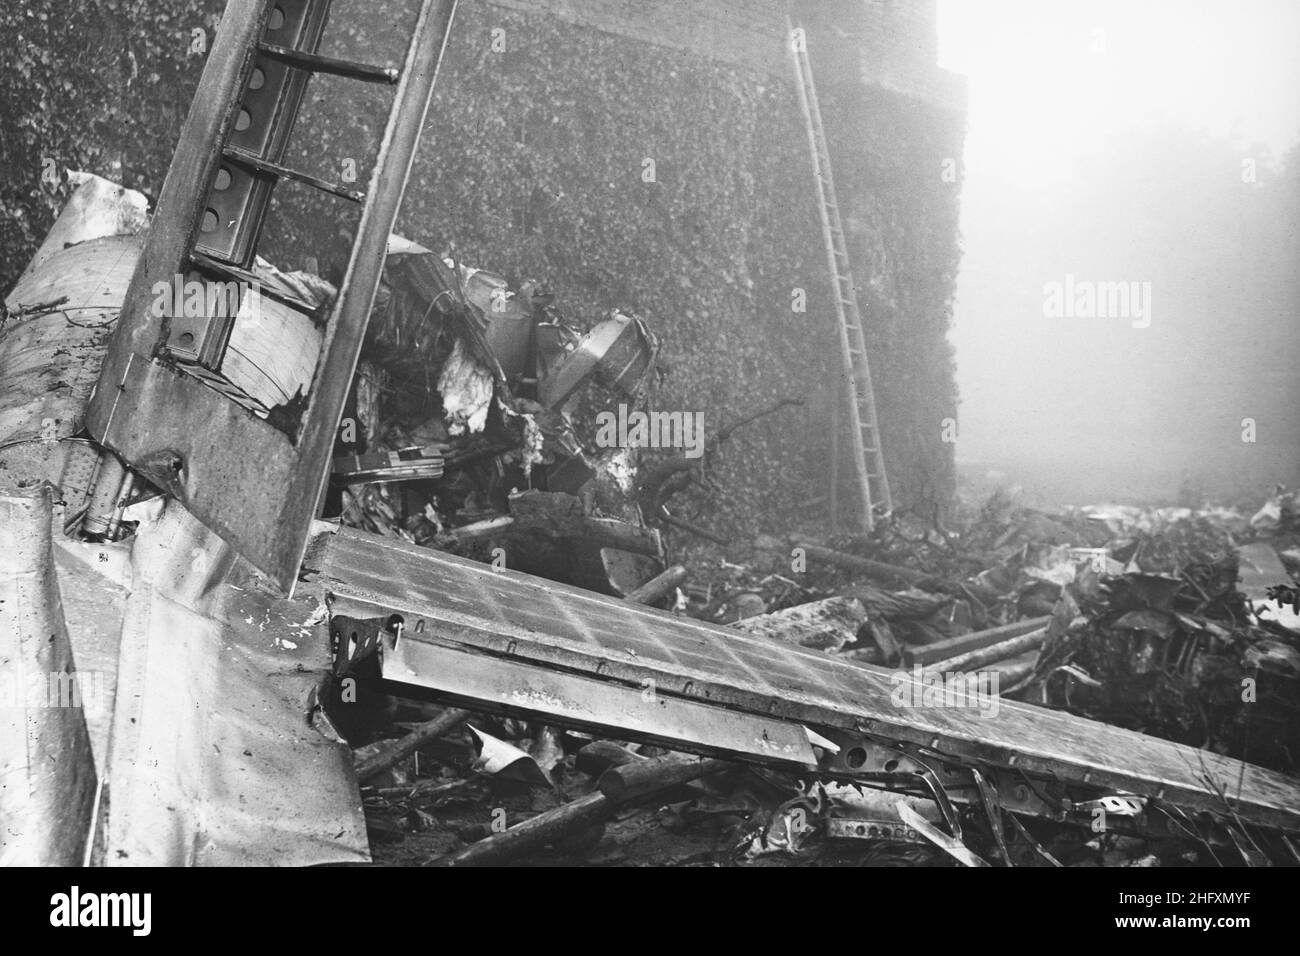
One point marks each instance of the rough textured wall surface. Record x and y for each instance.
(94, 85)
(740, 32)
(534, 164)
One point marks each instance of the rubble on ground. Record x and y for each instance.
(1135, 617)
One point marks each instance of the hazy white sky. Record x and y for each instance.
(1050, 83)
(1052, 78)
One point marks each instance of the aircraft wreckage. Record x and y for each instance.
(167, 450)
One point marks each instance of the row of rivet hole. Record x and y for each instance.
(256, 80)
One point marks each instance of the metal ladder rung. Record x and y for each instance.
(365, 72)
(227, 270)
(245, 158)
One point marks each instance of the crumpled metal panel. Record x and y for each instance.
(49, 362)
(94, 583)
(206, 685)
(47, 774)
(214, 760)
(97, 207)
(205, 744)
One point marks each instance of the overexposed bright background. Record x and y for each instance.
(1059, 94)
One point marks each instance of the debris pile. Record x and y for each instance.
(464, 432)
(1171, 622)
(481, 422)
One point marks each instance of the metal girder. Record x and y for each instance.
(252, 475)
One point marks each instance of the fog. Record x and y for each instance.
(1126, 322)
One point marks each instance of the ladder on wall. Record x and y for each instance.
(868, 459)
(253, 474)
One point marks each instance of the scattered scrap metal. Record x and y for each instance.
(462, 430)
(1134, 617)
